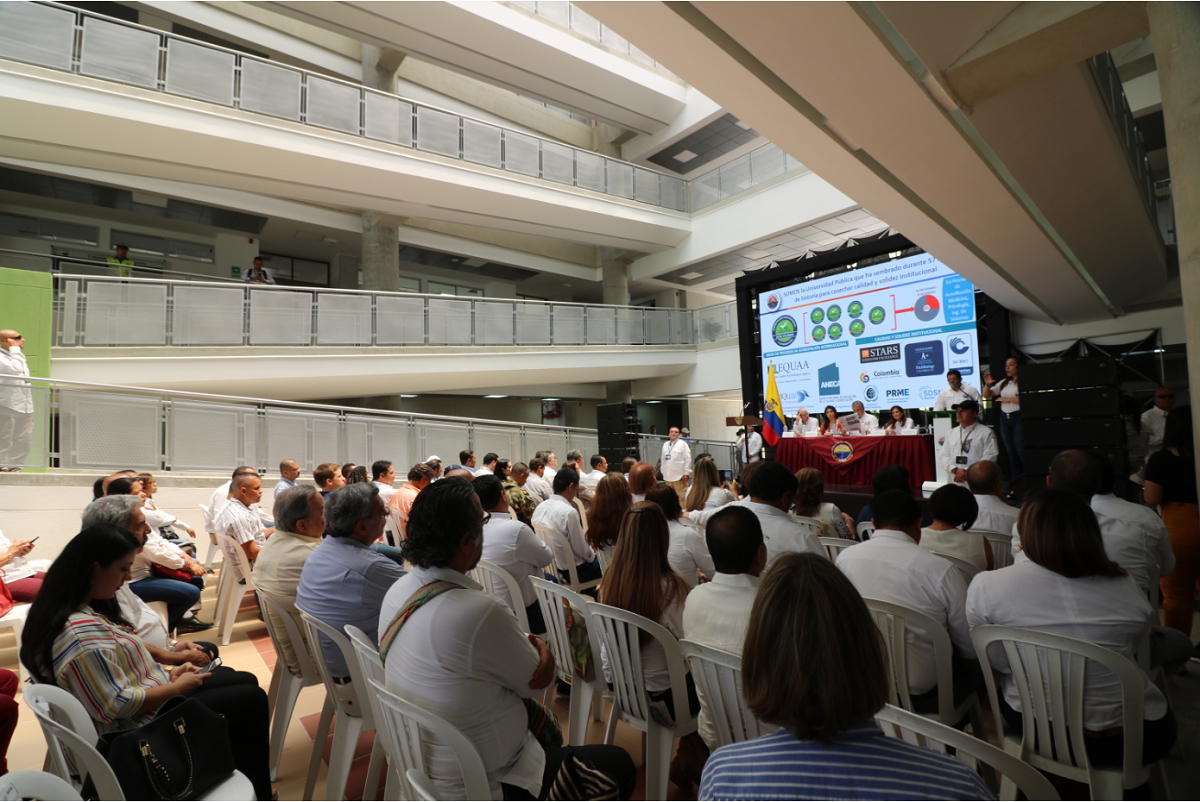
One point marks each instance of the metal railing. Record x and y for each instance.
(111, 311)
(86, 426)
(569, 16)
(743, 173)
(1109, 82)
(61, 37)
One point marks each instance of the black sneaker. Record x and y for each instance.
(193, 624)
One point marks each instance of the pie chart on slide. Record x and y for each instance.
(927, 307)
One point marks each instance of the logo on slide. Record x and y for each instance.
(927, 393)
(864, 378)
(924, 359)
(872, 393)
(829, 380)
(842, 452)
(772, 302)
(959, 346)
(879, 353)
(784, 331)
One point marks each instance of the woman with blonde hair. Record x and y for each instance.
(810, 503)
(706, 491)
(608, 510)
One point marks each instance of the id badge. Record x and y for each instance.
(668, 457)
(960, 460)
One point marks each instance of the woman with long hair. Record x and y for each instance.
(706, 491)
(1171, 482)
(814, 664)
(1007, 393)
(100, 659)
(641, 479)
(830, 423)
(810, 503)
(899, 422)
(608, 510)
(688, 553)
(954, 510)
(1068, 586)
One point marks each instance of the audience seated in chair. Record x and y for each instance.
(954, 508)
(814, 664)
(688, 553)
(889, 477)
(986, 483)
(237, 518)
(705, 490)
(641, 479)
(420, 476)
(513, 546)
(536, 485)
(522, 503)
(810, 503)
(22, 581)
(220, 497)
(562, 516)
(462, 656)
(892, 567)
(328, 477)
(605, 517)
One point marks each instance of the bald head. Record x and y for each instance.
(984, 478)
(460, 473)
(243, 480)
(1076, 472)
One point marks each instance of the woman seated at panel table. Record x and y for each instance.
(899, 422)
(831, 424)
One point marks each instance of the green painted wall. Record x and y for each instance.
(27, 305)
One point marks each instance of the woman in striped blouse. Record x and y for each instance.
(76, 638)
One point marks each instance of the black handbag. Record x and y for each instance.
(179, 755)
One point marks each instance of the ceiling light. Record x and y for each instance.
(684, 156)
(690, 276)
(402, 395)
(694, 395)
(654, 402)
(495, 396)
(552, 399)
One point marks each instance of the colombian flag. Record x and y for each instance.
(773, 421)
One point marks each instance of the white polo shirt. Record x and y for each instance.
(562, 516)
(514, 547)
(676, 460)
(949, 397)
(1158, 542)
(1124, 543)
(995, 515)
(781, 532)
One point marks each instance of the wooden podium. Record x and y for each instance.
(743, 420)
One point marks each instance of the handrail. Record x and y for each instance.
(56, 266)
(1104, 69)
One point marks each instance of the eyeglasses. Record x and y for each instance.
(16, 337)
(1168, 395)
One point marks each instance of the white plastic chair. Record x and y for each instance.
(286, 686)
(14, 619)
(718, 677)
(231, 588)
(422, 786)
(1001, 543)
(558, 542)
(968, 569)
(865, 529)
(619, 630)
(836, 545)
(816, 526)
(493, 577)
(1055, 682)
(372, 668)
(36, 785)
(893, 621)
(920, 731)
(349, 727)
(407, 725)
(587, 701)
(213, 546)
(76, 732)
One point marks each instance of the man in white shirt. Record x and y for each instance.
(383, 476)
(986, 483)
(16, 403)
(466, 459)
(300, 514)
(220, 497)
(1154, 420)
(598, 472)
(967, 443)
(461, 655)
(585, 493)
(772, 490)
(867, 423)
(289, 471)
(536, 485)
(676, 463)
(1157, 541)
(239, 521)
(551, 461)
(560, 515)
(514, 547)
(955, 394)
(717, 613)
(804, 423)
(749, 446)
(892, 567)
(489, 464)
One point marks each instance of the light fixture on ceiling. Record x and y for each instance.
(495, 396)
(552, 399)
(330, 241)
(654, 402)
(684, 156)
(690, 276)
(403, 395)
(694, 395)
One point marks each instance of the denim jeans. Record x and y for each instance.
(179, 596)
(1010, 433)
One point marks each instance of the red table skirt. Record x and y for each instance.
(854, 460)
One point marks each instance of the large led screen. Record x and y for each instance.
(883, 335)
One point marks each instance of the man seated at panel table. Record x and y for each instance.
(804, 423)
(868, 424)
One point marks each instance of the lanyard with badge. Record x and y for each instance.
(964, 448)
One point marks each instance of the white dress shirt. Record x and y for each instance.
(157, 550)
(908, 427)
(717, 614)
(386, 491)
(514, 547)
(549, 475)
(891, 567)
(539, 488)
(483, 470)
(1158, 542)
(949, 397)
(975, 443)
(1109, 612)
(676, 460)
(801, 428)
(463, 656)
(592, 478)
(562, 516)
(240, 523)
(719, 497)
(688, 552)
(1010, 390)
(781, 532)
(15, 394)
(1154, 423)
(216, 503)
(1124, 543)
(750, 447)
(994, 515)
(147, 623)
(868, 424)
(15, 569)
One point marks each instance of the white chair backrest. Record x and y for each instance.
(968, 569)
(300, 645)
(618, 630)
(579, 505)
(836, 545)
(1001, 543)
(558, 543)
(204, 509)
(36, 785)
(921, 731)
(493, 577)
(67, 726)
(865, 529)
(368, 654)
(422, 786)
(408, 727)
(1055, 682)
(816, 526)
(315, 628)
(551, 598)
(235, 560)
(893, 621)
(718, 677)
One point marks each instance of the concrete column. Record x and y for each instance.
(1175, 27)
(618, 392)
(379, 67)
(616, 281)
(380, 252)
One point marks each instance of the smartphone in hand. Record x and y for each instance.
(216, 661)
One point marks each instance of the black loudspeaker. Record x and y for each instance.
(1068, 375)
(1072, 432)
(1091, 402)
(617, 429)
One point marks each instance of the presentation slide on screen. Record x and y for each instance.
(883, 335)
